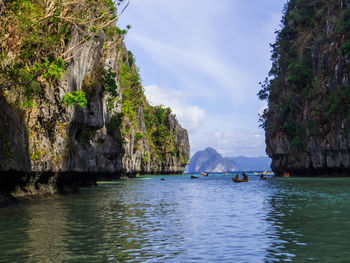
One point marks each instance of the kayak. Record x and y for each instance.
(194, 177)
(204, 174)
(239, 181)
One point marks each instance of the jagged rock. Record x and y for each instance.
(307, 124)
(52, 147)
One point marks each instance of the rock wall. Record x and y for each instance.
(52, 147)
(307, 123)
(134, 160)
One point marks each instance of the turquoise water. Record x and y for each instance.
(210, 219)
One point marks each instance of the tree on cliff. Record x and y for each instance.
(307, 88)
(35, 36)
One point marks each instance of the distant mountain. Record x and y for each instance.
(210, 160)
(252, 163)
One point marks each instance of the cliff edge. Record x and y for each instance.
(72, 104)
(307, 122)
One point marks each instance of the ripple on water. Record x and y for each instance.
(182, 220)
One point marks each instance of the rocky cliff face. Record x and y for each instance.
(308, 120)
(210, 160)
(72, 103)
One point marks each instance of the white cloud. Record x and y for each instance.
(215, 56)
(231, 143)
(190, 117)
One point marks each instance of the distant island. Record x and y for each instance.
(209, 160)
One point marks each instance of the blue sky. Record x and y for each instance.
(205, 59)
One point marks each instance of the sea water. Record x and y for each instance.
(209, 219)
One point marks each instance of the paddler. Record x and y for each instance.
(245, 177)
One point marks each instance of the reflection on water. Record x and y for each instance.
(311, 219)
(182, 220)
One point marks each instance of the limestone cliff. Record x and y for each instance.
(307, 122)
(72, 104)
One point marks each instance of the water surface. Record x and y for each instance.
(210, 219)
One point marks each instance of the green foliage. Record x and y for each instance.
(291, 79)
(36, 153)
(344, 22)
(338, 105)
(133, 96)
(299, 14)
(289, 128)
(138, 136)
(345, 49)
(110, 103)
(131, 58)
(145, 157)
(52, 68)
(174, 152)
(115, 122)
(122, 32)
(75, 98)
(127, 108)
(264, 92)
(296, 143)
(161, 139)
(185, 161)
(108, 82)
(35, 35)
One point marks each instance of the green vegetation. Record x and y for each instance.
(35, 35)
(344, 28)
(162, 140)
(36, 153)
(108, 82)
(116, 121)
(302, 97)
(157, 131)
(138, 136)
(36, 51)
(75, 98)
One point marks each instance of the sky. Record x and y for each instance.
(205, 59)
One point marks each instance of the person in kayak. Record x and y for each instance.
(245, 177)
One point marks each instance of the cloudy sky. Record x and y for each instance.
(205, 59)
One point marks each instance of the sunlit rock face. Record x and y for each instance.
(52, 147)
(308, 120)
(210, 160)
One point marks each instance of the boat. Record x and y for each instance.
(204, 174)
(267, 173)
(239, 181)
(287, 175)
(194, 177)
